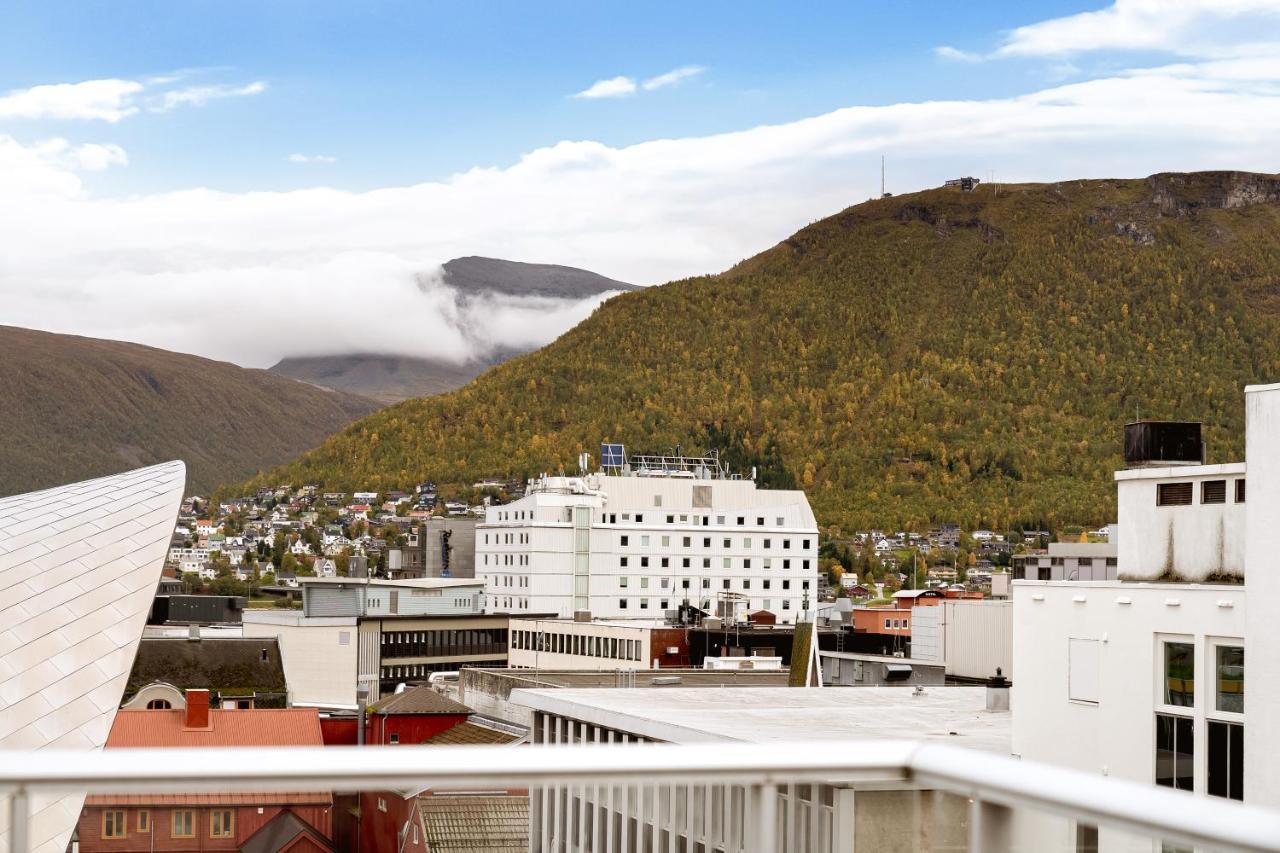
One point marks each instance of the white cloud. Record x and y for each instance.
(252, 277)
(955, 54)
(672, 77)
(1189, 27)
(614, 87)
(104, 100)
(621, 86)
(198, 96)
(311, 158)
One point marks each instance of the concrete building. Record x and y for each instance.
(79, 566)
(644, 540)
(602, 644)
(1069, 561)
(857, 669)
(1144, 678)
(438, 547)
(882, 814)
(376, 634)
(370, 597)
(970, 638)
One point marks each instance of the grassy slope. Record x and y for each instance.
(966, 357)
(77, 407)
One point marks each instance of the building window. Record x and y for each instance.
(1179, 674)
(644, 562)
(622, 582)
(1240, 490)
(183, 824)
(1226, 760)
(158, 705)
(395, 739)
(622, 562)
(622, 604)
(726, 583)
(644, 583)
(1213, 492)
(786, 604)
(1230, 666)
(1173, 494)
(144, 820)
(222, 823)
(624, 540)
(1175, 752)
(644, 604)
(671, 519)
(688, 541)
(113, 824)
(759, 521)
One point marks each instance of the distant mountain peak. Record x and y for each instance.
(515, 278)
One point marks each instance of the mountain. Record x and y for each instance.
(939, 356)
(391, 378)
(513, 278)
(386, 378)
(76, 408)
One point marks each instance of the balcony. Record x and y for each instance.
(715, 797)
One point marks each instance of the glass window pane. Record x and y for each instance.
(1179, 674)
(1231, 679)
(1175, 752)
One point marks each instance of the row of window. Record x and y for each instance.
(624, 541)
(725, 562)
(664, 604)
(182, 823)
(577, 644)
(725, 583)
(1211, 492)
(507, 538)
(444, 643)
(695, 520)
(508, 559)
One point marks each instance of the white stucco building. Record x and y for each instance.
(1144, 678)
(641, 543)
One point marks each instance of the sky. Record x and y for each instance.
(250, 181)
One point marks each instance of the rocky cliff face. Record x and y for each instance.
(1182, 194)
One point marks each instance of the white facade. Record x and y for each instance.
(1146, 680)
(1191, 541)
(634, 546)
(318, 654)
(565, 644)
(79, 567)
(971, 637)
(1091, 676)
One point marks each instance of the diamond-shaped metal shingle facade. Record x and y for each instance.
(79, 567)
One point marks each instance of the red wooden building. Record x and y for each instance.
(295, 821)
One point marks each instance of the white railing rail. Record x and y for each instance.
(996, 785)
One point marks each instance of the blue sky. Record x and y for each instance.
(257, 180)
(404, 92)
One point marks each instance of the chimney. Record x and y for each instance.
(998, 692)
(198, 709)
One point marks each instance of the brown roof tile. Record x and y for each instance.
(470, 733)
(419, 700)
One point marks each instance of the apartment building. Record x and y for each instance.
(1069, 561)
(1143, 677)
(645, 537)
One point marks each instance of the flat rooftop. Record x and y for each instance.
(415, 583)
(953, 715)
(644, 678)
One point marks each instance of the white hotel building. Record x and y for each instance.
(646, 540)
(1144, 677)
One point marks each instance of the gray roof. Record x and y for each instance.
(79, 567)
(424, 699)
(472, 823)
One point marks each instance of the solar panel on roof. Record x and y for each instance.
(612, 455)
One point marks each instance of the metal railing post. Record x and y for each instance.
(765, 827)
(19, 821)
(990, 827)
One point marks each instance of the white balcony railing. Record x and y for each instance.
(997, 787)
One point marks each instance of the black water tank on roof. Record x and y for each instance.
(1156, 443)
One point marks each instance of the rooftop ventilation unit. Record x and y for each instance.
(1158, 444)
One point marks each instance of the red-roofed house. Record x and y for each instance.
(295, 821)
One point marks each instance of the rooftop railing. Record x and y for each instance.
(997, 788)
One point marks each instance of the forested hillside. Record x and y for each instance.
(937, 356)
(76, 408)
